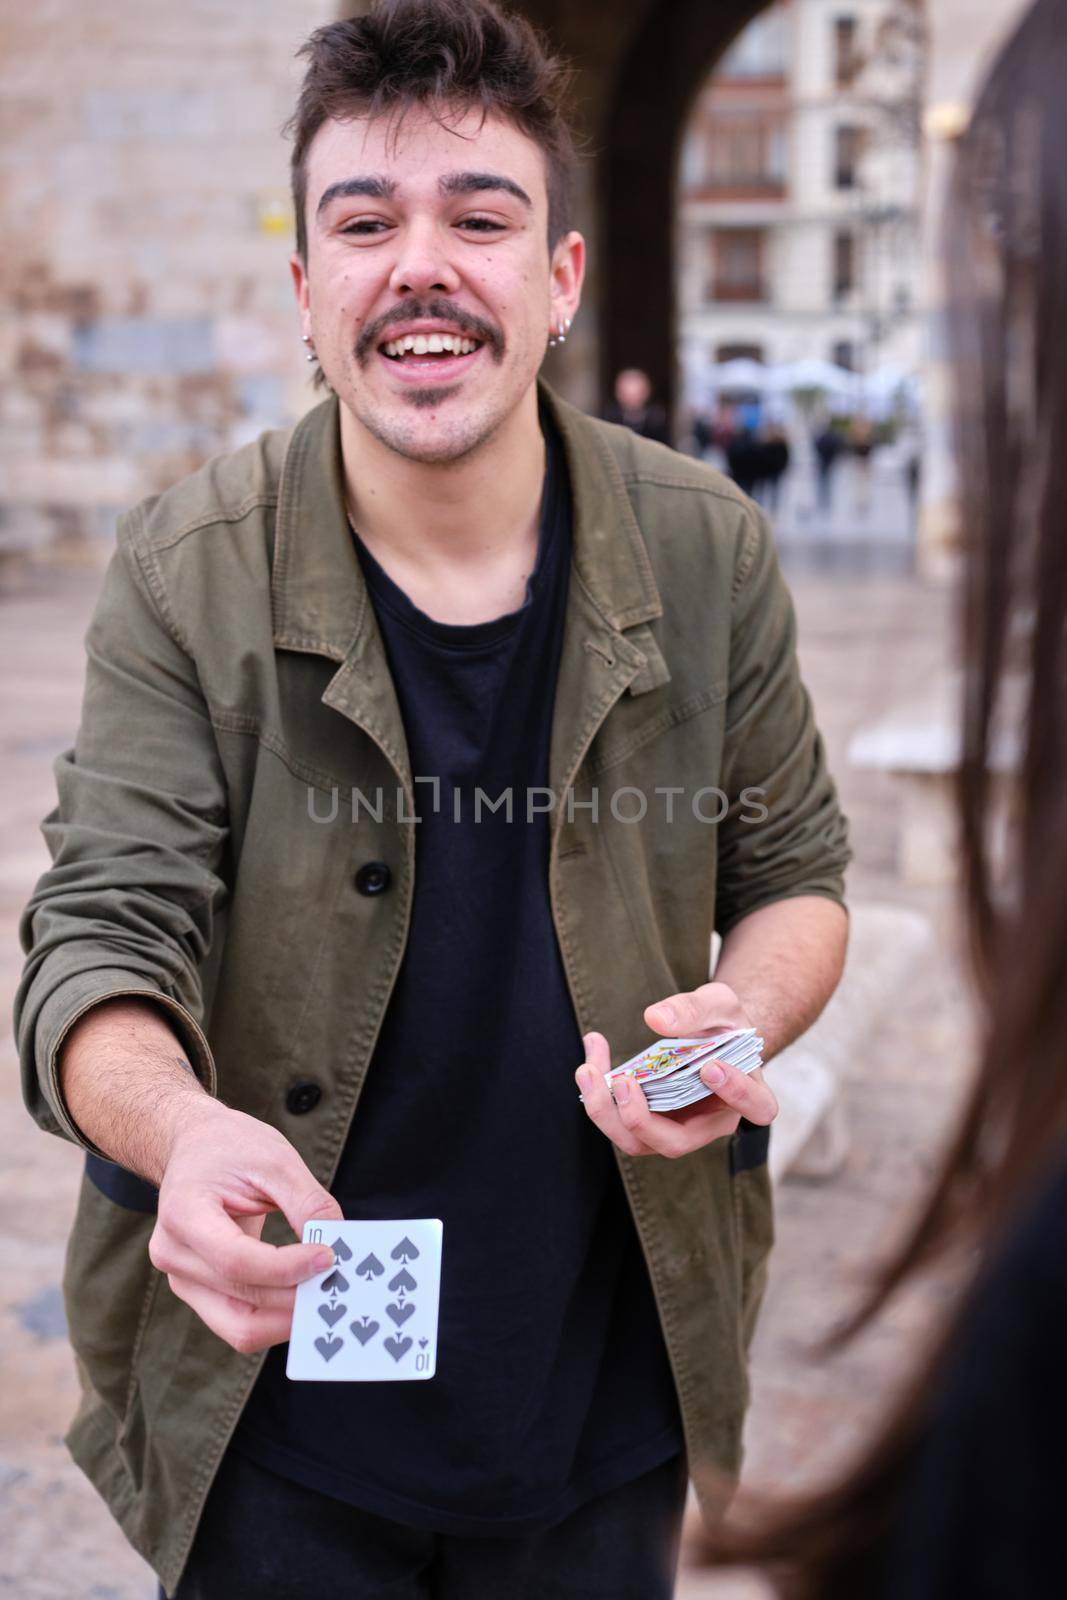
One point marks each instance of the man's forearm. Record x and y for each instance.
(783, 962)
(128, 1085)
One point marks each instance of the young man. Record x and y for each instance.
(257, 985)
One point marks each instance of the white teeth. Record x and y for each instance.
(420, 344)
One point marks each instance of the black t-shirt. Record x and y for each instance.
(552, 1381)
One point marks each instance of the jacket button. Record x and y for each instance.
(303, 1097)
(373, 877)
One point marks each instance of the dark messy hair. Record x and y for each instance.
(444, 56)
(1005, 250)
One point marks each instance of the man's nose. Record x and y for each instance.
(423, 263)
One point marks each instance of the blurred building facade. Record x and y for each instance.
(146, 314)
(799, 191)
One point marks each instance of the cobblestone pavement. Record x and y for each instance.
(864, 644)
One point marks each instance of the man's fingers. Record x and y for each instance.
(206, 1229)
(596, 1096)
(178, 1261)
(748, 1093)
(244, 1328)
(658, 1131)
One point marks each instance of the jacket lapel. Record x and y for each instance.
(319, 597)
(608, 647)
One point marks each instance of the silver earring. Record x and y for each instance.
(311, 356)
(560, 334)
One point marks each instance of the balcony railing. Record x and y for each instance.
(748, 290)
(738, 189)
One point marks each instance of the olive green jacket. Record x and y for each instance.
(236, 686)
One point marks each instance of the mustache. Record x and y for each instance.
(435, 310)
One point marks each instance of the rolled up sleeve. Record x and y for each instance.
(137, 839)
(784, 833)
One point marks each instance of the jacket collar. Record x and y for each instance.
(319, 597)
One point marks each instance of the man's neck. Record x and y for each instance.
(459, 538)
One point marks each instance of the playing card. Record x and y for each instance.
(669, 1070)
(373, 1316)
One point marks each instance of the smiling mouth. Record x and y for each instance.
(428, 350)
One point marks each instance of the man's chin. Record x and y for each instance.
(426, 399)
(406, 427)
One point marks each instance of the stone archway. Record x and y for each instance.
(668, 60)
(638, 72)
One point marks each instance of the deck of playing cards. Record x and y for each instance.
(373, 1316)
(669, 1070)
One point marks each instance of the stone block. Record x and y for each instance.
(134, 344)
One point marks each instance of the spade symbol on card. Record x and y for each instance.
(423, 1343)
(403, 1280)
(405, 1251)
(370, 1267)
(397, 1347)
(332, 1314)
(334, 1280)
(400, 1314)
(341, 1250)
(328, 1348)
(364, 1330)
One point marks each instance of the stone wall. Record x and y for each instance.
(147, 318)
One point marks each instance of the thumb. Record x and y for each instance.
(301, 1198)
(671, 1016)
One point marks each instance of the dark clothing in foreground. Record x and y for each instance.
(982, 1515)
(265, 1538)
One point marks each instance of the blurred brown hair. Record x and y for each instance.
(1005, 255)
(444, 56)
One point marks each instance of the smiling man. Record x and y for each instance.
(424, 748)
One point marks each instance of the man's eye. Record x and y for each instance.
(365, 225)
(482, 225)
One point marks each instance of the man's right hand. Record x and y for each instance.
(225, 1172)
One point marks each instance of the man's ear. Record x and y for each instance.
(567, 274)
(300, 285)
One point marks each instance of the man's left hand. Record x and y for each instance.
(625, 1116)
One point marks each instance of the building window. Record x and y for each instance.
(844, 264)
(846, 56)
(745, 150)
(848, 150)
(737, 264)
(843, 354)
(739, 352)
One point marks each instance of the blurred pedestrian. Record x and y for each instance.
(959, 1491)
(635, 408)
(774, 465)
(829, 446)
(744, 460)
(861, 443)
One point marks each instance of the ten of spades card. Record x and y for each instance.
(373, 1316)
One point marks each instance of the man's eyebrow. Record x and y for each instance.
(373, 186)
(477, 182)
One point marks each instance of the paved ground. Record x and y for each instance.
(865, 643)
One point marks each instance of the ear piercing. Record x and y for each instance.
(311, 356)
(559, 335)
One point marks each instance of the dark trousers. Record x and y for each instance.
(263, 1537)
